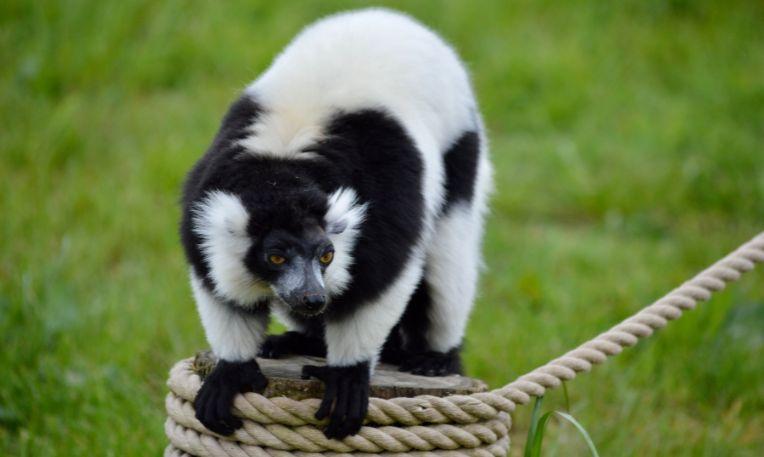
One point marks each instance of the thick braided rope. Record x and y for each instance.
(474, 425)
(368, 440)
(203, 444)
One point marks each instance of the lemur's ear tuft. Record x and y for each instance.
(344, 212)
(336, 227)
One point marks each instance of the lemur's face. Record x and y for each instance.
(289, 256)
(293, 263)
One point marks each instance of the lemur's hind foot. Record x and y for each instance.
(292, 343)
(433, 363)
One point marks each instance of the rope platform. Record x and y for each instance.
(475, 425)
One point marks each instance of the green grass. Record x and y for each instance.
(539, 422)
(628, 139)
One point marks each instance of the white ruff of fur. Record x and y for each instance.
(345, 213)
(221, 221)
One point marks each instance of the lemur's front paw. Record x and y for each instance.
(215, 398)
(277, 346)
(346, 398)
(433, 363)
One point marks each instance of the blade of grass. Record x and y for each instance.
(539, 437)
(581, 430)
(533, 448)
(532, 430)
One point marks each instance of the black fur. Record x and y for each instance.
(377, 158)
(407, 345)
(214, 400)
(292, 343)
(393, 351)
(415, 320)
(346, 397)
(201, 178)
(433, 363)
(461, 162)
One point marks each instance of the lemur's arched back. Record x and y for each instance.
(345, 193)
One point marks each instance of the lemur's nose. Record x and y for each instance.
(314, 301)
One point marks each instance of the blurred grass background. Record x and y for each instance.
(628, 139)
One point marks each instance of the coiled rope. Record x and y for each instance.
(458, 425)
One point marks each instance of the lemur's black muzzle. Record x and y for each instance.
(308, 303)
(314, 303)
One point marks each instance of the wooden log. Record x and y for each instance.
(387, 382)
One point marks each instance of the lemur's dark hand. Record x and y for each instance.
(214, 401)
(346, 398)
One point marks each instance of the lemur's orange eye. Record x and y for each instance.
(276, 259)
(327, 258)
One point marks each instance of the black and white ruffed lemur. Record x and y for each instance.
(345, 192)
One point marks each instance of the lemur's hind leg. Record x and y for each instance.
(408, 346)
(436, 318)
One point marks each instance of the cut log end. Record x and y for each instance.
(284, 379)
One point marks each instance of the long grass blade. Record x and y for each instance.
(539, 437)
(581, 430)
(532, 430)
(537, 429)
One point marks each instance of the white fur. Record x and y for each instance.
(281, 137)
(452, 273)
(234, 335)
(362, 59)
(365, 59)
(360, 337)
(454, 258)
(344, 211)
(221, 221)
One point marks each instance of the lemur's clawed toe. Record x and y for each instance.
(346, 397)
